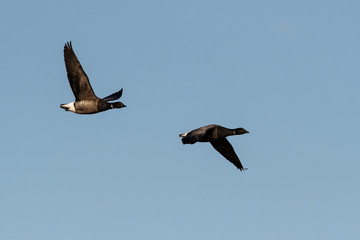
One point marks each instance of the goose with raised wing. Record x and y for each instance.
(86, 102)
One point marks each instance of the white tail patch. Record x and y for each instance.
(183, 135)
(69, 107)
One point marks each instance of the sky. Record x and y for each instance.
(286, 71)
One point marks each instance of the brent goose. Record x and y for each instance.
(216, 135)
(86, 102)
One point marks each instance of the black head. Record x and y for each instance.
(117, 105)
(239, 131)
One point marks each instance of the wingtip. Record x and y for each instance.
(68, 45)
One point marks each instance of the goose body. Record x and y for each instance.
(216, 135)
(86, 102)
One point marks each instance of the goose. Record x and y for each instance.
(216, 135)
(86, 102)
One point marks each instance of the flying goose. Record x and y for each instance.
(216, 135)
(86, 102)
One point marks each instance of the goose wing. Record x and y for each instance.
(79, 82)
(113, 96)
(223, 146)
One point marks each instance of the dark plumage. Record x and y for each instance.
(86, 102)
(216, 135)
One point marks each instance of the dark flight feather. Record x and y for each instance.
(114, 96)
(223, 146)
(79, 81)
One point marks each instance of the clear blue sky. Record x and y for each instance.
(287, 71)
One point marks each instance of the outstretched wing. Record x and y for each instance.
(223, 146)
(114, 96)
(79, 82)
